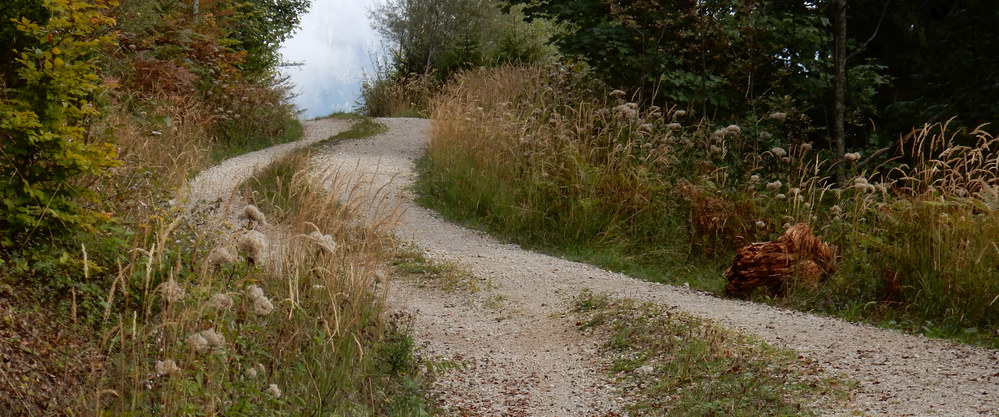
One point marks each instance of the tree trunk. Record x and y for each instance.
(839, 87)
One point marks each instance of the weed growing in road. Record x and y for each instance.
(669, 363)
(409, 263)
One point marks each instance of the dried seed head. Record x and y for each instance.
(214, 339)
(197, 343)
(326, 242)
(679, 113)
(733, 130)
(172, 291)
(778, 152)
(778, 116)
(254, 244)
(262, 306)
(774, 185)
(852, 157)
(166, 367)
(761, 224)
(221, 256)
(254, 292)
(673, 126)
(221, 302)
(274, 390)
(253, 213)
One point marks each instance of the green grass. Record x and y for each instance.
(672, 364)
(408, 263)
(363, 127)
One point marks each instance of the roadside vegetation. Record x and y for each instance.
(120, 298)
(668, 363)
(544, 159)
(657, 140)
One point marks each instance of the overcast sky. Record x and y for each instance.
(336, 45)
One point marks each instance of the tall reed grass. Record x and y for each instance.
(548, 158)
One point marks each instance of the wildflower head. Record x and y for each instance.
(262, 306)
(252, 213)
(778, 116)
(679, 113)
(754, 178)
(254, 244)
(198, 343)
(673, 126)
(761, 224)
(805, 147)
(274, 390)
(325, 242)
(214, 339)
(221, 302)
(617, 93)
(733, 130)
(254, 292)
(172, 291)
(774, 185)
(836, 210)
(645, 128)
(221, 256)
(166, 367)
(778, 152)
(715, 149)
(852, 157)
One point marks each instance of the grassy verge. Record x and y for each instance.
(541, 158)
(668, 363)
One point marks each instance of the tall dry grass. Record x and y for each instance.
(545, 158)
(211, 319)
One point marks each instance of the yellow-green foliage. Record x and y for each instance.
(47, 149)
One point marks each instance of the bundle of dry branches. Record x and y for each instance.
(797, 255)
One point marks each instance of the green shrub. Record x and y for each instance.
(48, 151)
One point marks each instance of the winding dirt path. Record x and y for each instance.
(525, 358)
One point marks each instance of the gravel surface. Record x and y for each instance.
(524, 357)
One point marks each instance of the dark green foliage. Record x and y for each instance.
(261, 25)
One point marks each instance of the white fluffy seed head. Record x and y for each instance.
(221, 302)
(262, 306)
(274, 390)
(172, 291)
(778, 152)
(254, 292)
(254, 244)
(221, 256)
(326, 242)
(214, 339)
(198, 343)
(253, 213)
(166, 367)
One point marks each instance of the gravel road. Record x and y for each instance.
(524, 357)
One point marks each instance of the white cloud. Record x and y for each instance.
(336, 45)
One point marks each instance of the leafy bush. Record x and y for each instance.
(49, 152)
